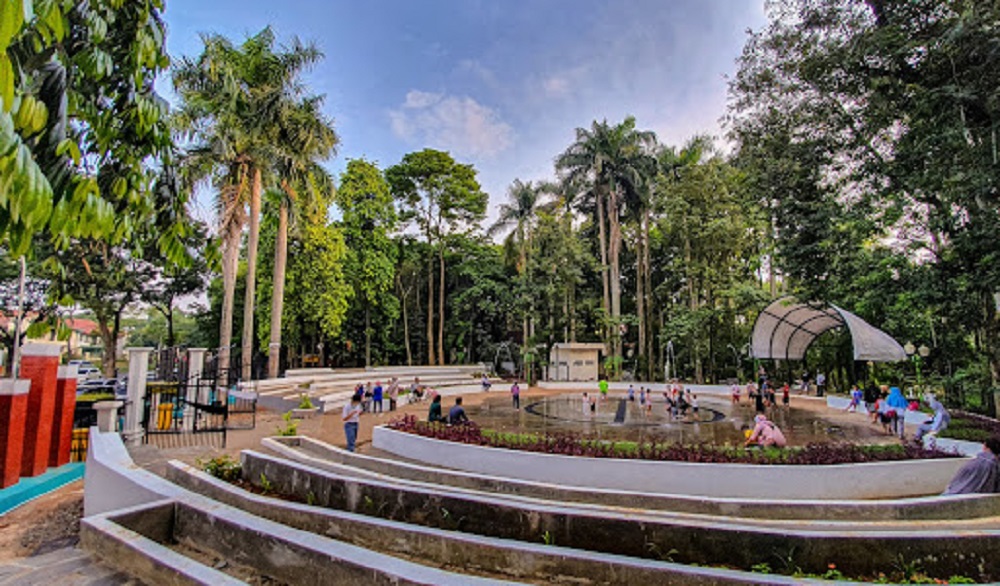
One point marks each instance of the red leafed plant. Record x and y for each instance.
(575, 445)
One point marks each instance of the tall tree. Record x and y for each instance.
(614, 159)
(306, 137)
(519, 213)
(369, 217)
(232, 103)
(441, 197)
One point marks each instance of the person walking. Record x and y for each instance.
(393, 393)
(351, 417)
(377, 397)
(515, 394)
(898, 403)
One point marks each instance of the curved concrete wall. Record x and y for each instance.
(112, 481)
(846, 481)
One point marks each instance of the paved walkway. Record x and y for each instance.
(66, 567)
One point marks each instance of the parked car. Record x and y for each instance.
(86, 369)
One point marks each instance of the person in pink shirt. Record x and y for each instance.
(766, 433)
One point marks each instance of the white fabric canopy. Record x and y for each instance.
(785, 330)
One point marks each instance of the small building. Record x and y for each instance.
(575, 361)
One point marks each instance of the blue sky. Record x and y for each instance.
(502, 83)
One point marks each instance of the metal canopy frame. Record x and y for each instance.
(785, 330)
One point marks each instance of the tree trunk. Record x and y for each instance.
(614, 252)
(693, 306)
(278, 292)
(406, 323)
(647, 273)
(430, 309)
(230, 264)
(169, 314)
(572, 313)
(368, 335)
(251, 289)
(603, 240)
(440, 340)
(640, 293)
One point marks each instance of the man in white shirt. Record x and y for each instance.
(351, 417)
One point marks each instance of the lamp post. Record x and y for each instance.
(917, 355)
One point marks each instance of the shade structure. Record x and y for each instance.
(785, 330)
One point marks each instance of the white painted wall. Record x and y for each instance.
(112, 481)
(846, 481)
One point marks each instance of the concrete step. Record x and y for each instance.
(313, 452)
(856, 548)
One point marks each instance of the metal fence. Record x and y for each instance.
(169, 364)
(199, 410)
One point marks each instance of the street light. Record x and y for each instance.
(917, 355)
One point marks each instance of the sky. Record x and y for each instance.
(502, 84)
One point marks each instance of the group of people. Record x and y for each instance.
(761, 396)
(888, 407)
(373, 397)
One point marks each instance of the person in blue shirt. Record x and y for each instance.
(456, 415)
(898, 403)
(377, 397)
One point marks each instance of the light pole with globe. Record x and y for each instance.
(917, 355)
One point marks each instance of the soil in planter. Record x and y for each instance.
(211, 559)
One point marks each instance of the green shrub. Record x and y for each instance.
(291, 426)
(222, 467)
(305, 402)
(94, 397)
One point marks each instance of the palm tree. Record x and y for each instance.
(232, 101)
(305, 137)
(520, 212)
(614, 160)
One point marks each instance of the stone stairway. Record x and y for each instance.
(69, 566)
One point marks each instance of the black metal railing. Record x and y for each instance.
(199, 410)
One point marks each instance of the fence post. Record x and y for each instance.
(196, 368)
(138, 367)
(13, 408)
(40, 363)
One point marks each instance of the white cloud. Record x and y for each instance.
(417, 99)
(479, 71)
(556, 87)
(454, 123)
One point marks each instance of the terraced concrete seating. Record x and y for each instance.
(318, 454)
(355, 510)
(328, 385)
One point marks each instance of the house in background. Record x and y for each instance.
(83, 339)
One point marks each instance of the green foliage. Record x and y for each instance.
(80, 126)
(369, 217)
(291, 426)
(548, 538)
(94, 397)
(305, 402)
(224, 467)
(265, 485)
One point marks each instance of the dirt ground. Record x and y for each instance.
(45, 524)
(53, 521)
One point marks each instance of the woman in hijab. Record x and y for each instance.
(899, 404)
